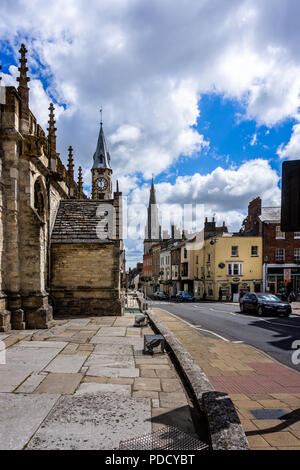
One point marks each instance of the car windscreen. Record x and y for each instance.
(268, 297)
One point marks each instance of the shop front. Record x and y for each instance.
(281, 279)
(232, 289)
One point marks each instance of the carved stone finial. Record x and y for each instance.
(80, 183)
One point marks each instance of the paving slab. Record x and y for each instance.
(3, 336)
(11, 379)
(31, 383)
(77, 321)
(124, 321)
(126, 340)
(20, 358)
(67, 363)
(151, 360)
(92, 422)
(148, 384)
(59, 384)
(42, 344)
(114, 349)
(172, 400)
(110, 361)
(93, 387)
(111, 331)
(89, 327)
(99, 371)
(20, 417)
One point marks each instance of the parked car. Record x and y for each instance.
(161, 295)
(264, 304)
(183, 296)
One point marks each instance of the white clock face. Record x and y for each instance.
(101, 184)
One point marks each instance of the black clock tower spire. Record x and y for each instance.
(101, 171)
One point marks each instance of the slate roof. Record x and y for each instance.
(76, 222)
(270, 214)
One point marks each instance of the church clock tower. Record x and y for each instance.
(101, 171)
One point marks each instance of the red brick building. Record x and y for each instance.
(281, 251)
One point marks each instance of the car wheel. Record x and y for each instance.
(260, 311)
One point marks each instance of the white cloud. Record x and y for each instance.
(292, 149)
(224, 193)
(253, 140)
(125, 133)
(148, 64)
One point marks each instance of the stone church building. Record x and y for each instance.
(60, 251)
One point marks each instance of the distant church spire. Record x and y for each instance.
(152, 227)
(23, 88)
(152, 199)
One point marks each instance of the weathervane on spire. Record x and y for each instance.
(101, 114)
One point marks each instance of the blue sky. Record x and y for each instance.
(201, 94)
(233, 139)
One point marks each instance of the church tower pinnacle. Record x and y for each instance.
(23, 90)
(101, 171)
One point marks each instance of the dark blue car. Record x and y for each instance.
(184, 296)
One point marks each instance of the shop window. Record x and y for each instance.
(280, 254)
(234, 251)
(254, 250)
(279, 233)
(185, 253)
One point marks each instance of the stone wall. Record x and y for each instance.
(85, 278)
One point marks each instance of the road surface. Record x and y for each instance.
(276, 336)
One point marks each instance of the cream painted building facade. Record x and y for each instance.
(228, 263)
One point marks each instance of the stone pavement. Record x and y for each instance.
(85, 384)
(265, 393)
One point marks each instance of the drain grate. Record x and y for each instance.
(168, 438)
(271, 413)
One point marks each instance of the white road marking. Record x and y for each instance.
(198, 327)
(237, 342)
(213, 333)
